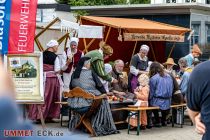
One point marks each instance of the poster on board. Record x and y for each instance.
(27, 74)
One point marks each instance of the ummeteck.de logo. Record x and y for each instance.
(29, 133)
(18, 133)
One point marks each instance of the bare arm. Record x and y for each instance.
(196, 119)
(192, 114)
(136, 72)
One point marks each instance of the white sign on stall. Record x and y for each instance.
(87, 31)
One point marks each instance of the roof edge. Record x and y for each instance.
(150, 6)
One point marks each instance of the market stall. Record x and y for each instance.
(126, 35)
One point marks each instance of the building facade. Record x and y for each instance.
(190, 15)
(48, 10)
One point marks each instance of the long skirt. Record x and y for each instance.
(51, 95)
(102, 122)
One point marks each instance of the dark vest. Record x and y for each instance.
(74, 62)
(141, 65)
(49, 57)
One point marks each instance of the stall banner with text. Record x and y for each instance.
(17, 26)
(152, 37)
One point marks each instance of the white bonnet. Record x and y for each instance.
(144, 47)
(52, 43)
(74, 40)
(108, 68)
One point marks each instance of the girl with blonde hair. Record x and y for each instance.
(142, 94)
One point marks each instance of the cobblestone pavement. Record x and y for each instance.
(163, 133)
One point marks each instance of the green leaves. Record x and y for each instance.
(79, 13)
(99, 2)
(62, 1)
(139, 1)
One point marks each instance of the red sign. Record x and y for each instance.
(22, 26)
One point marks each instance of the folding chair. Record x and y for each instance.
(86, 117)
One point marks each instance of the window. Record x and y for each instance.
(207, 1)
(192, 1)
(170, 1)
(38, 15)
(195, 39)
(208, 34)
(45, 15)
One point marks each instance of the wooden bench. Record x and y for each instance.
(134, 110)
(180, 106)
(63, 105)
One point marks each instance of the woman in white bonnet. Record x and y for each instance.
(139, 64)
(51, 68)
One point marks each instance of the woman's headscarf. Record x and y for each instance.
(108, 68)
(52, 43)
(79, 66)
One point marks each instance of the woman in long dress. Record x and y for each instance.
(139, 65)
(102, 122)
(51, 68)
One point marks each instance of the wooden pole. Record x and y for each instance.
(47, 27)
(133, 50)
(85, 44)
(107, 35)
(67, 37)
(90, 43)
(60, 40)
(153, 52)
(39, 45)
(41, 116)
(169, 55)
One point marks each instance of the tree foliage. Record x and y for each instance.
(79, 13)
(100, 2)
(139, 1)
(62, 1)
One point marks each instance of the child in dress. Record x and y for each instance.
(142, 94)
